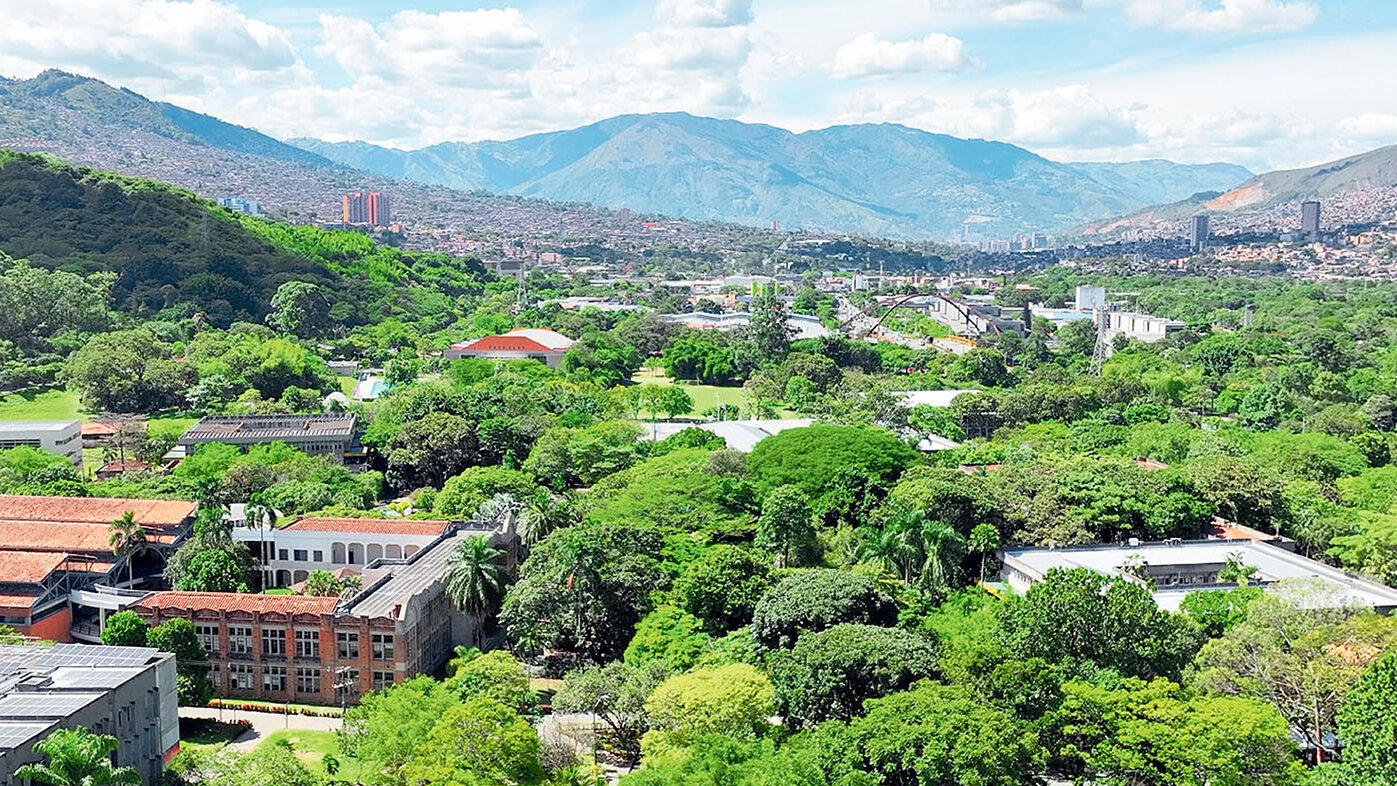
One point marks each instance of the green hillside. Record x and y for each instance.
(170, 248)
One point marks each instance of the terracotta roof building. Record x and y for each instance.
(54, 551)
(325, 650)
(290, 553)
(545, 346)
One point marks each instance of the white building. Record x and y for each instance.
(1180, 567)
(802, 325)
(545, 346)
(1143, 327)
(1090, 298)
(332, 543)
(63, 437)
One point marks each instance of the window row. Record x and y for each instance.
(242, 677)
(307, 641)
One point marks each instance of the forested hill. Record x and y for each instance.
(170, 248)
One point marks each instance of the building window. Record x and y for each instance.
(208, 636)
(239, 640)
(239, 676)
(215, 678)
(307, 681)
(347, 682)
(300, 555)
(274, 642)
(382, 646)
(382, 679)
(308, 644)
(347, 644)
(281, 554)
(274, 679)
(319, 555)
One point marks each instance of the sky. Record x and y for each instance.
(1263, 83)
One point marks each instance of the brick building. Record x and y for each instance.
(326, 650)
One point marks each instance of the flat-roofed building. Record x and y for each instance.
(327, 650)
(1177, 568)
(329, 435)
(126, 692)
(310, 543)
(545, 346)
(63, 437)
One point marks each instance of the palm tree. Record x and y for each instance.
(259, 513)
(128, 539)
(77, 757)
(940, 547)
(498, 512)
(475, 578)
(544, 514)
(984, 538)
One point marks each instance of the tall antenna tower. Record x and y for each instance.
(1102, 349)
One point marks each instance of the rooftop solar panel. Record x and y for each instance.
(13, 735)
(18, 706)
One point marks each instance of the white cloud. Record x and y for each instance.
(1370, 126)
(868, 55)
(1226, 16)
(705, 13)
(1015, 10)
(185, 46)
(468, 49)
(1068, 116)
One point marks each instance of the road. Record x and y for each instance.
(263, 723)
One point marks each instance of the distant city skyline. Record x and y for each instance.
(1262, 83)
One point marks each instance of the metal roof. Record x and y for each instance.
(271, 427)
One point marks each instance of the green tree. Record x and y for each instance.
(984, 539)
(428, 451)
(1216, 611)
(1079, 615)
(213, 570)
(495, 675)
(479, 742)
(1155, 734)
(323, 583)
(266, 765)
(722, 587)
(811, 457)
(932, 735)
(474, 580)
(616, 692)
(1300, 649)
(829, 674)
(128, 541)
(669, 635)
(127, 371)
(125, 629)
(600, 358)
(917, 548)
(768, 330)
(584, 588)
(1368, 723)
(301, 308)
(812, 600)
(384, 728)
(784, 527)
(463, 494)
(733, 700)
(191, 659)
(77, 757)
(713, 759)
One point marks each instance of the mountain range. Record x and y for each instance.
(885, 179)
(1352, 190)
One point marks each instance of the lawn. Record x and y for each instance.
(50, 404)
(207, 731)
(312, 746)
(704, 396)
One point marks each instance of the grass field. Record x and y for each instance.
(704, 396)
(52, 404)
(311, 747)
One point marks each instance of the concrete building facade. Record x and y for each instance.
(545, 346)
(126, 692)
(290, 553)
(62, 437)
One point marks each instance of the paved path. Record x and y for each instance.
(263, 723)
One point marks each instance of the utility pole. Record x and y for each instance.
(1101, 349)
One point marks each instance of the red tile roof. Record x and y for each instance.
(503, 344)
(238, 601)
(98, 429)
(52, 536)
(29, 567)
(369, 526)
(95, 510)
(17, 602)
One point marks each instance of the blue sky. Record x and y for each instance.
(1263, 83)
